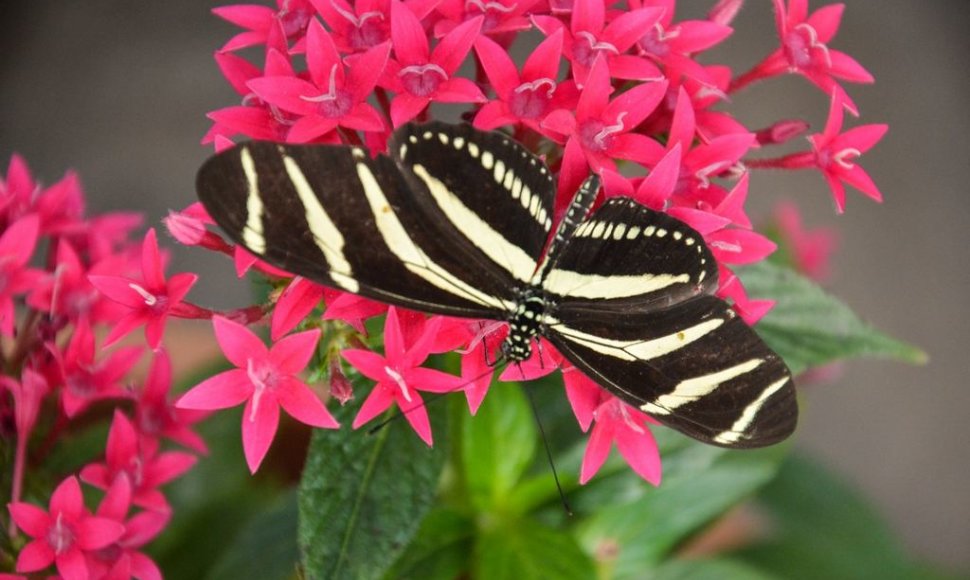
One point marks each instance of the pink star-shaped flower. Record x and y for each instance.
(291, 16)
(602, 130)
(804, 50)
(265, 379)
(63, 534)
(157, 416)
(525, 98)
(810, 249)
(122, 559)
(673, 45)
(612, 421)
(399, 376)
(589, 37)
(68, 293)
(88, 374)
(334, 96)
(137, 457)
(498, 16)
(16, 249)
(419, 75)
(150, 300)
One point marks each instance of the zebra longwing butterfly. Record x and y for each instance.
(456, 221)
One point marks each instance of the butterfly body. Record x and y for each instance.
(458, 222)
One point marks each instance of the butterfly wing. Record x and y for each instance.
(372, 226)
(633, 309)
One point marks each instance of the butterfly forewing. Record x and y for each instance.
(493, 192)
(335, 216)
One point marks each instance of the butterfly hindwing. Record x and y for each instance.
(696, 367)
(342, 219)
(631, 305)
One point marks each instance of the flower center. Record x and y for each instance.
(654, 42)
(801, 45)
(334, 103)
(263, 377)
(530, 100)
(585, 50)
(598, 136)
(136, 471)
(422, 80)
(494, 12)
(368, 28)
(60, 536)
(293, 21)
(150, 299)
(396, 376)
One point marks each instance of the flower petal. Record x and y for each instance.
(227, 389)
(298, 400)
(259, 426)
(237, 342)
(293, 353)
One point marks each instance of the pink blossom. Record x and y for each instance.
(810, 250)
(525, 98)
(63, 534)
(399, 376)
(59, 208)
(290, 16)
(122, 559)
(68, 293)
(419, 75)
(612, 421)
(602, 130)
(88, 373)
(673, 45)
(266, 380)
(804, 50)
(589, 37)
(334, 96)
(499, 17)
(137, 457)
(357, 26)
(156, 415)
(16, 249)
(151, 299)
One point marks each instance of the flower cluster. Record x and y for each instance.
(591, 86)
(67, 280)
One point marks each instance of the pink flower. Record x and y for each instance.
(399, 376)
(419, 75)
(59, 207)
(613, 421)
(62, 534)
(602, 130)
(498, 16)
(358, 26)
(673, 45)
(291, 16)
(67, 292)
(334, 96)
(122, 559)
(589, 37)
(16, 249)
(150, 300)
(296, 302)
(137, 457)
(804, 50)
(266, 380)
(528, 98)
(88, 373)
(156, 416)
(810, 250)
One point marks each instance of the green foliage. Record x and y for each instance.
(809, 327)
(363, 496)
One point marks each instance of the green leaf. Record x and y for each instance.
(825, 529)
(497, 446)
(701, 483)
(439, 550)
(808, 327)
(363, 495)
(709, 569)
(265, 548)
(525, 550)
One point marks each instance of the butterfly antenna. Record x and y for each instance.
(552, 464)
(399, 414)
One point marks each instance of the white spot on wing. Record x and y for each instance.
(252, 234)
(487, 159)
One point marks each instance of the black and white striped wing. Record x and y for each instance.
(381, 228)
(633, 309)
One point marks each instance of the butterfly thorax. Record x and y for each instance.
(524, 323)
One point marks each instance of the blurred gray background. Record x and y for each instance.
(118, 91)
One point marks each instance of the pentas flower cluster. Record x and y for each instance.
(71, 287)
(593, 86)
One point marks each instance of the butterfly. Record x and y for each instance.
(459, 222)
